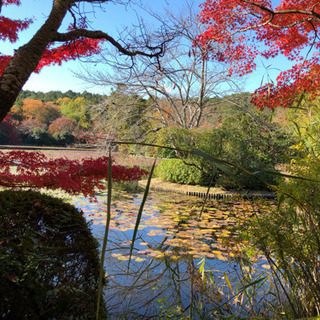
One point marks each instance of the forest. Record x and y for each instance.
(49, 119)
(230, 129)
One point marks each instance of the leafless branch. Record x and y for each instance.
(178, 86)
(80, 33)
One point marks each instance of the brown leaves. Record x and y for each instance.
(168, 230)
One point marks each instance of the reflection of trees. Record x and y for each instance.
(135, 290)
(164, 277)
(154, 283)
(168, 282)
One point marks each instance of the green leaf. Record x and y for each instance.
(145, 195)
(286, 175)
(219, 163)
(106, 232)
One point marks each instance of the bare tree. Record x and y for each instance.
(118, 122)
(180, 85)
(26, 58)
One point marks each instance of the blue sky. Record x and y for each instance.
(114, 19)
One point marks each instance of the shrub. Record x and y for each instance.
(288, 234)
(9, 132)
(175, 138)
(288, 237)
(175, 170)
(240, 140)
(41, 137)
(64, 138)
(49, 267)
(255, 146)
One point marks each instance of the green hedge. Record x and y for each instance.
(246, 142)
(49, 264)
(175, 170)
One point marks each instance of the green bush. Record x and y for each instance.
(288, 236)
(256, 146)
(241, 140)
(41, 137)
(49, 264)
(175, 138)
(175, 170)
(64, 138)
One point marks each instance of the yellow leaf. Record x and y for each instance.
(227, 281)
(222, 258)
(123, 258)
(140, 259)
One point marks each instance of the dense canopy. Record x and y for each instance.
(248, 29)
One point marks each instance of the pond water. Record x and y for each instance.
(183, 266)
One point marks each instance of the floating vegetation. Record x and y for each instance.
(180, 260)
(175, 223)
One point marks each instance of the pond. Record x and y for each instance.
(184, 266)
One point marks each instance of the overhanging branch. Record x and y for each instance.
(156, 51)
(284, 12)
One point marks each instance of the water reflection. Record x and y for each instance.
(182, 266)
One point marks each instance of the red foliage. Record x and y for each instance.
(9, 30)
(245, 29)
(62, 124)
(9, 132)
(89, 136)
(35, 170)
(69, 51)
(6, 2)
(28, 125)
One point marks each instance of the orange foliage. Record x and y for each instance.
(40, 111)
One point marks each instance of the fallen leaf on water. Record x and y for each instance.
(138, 259)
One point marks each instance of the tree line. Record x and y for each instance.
(52, 118)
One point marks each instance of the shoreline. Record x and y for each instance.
(200, 192)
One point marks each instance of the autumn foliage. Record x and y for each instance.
(9, 29)
(245, 30)
(62, 124)
(70, 50)
(9, 132)
(20, 169)
(35, 170)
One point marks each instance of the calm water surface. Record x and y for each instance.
(182, 264)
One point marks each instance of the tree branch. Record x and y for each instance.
(282, 12)
(83, 33)
(92, 1)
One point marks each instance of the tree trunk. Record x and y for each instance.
(27, 57)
